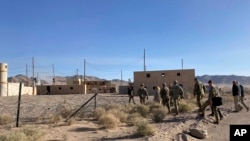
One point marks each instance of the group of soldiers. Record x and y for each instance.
(170, 96)
(167, 95)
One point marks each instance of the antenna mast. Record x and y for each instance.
(144, 58)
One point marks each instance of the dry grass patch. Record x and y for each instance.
(99, 111)
(142, 109)
(25, 134)
(5, 119)
(109, 121)
(134, 118)
(145, 129)
(158, 114)
(121, 115)
(186, 106)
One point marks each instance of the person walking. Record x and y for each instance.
(157, 96)
(242, 96)
(142, 93)
(164, 92)
(176, 92)
(236, 95)
(131, 94)
(199, 91)
(213, 92)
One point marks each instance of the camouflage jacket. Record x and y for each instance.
(142, 92)
(164, 93)
(213, 92)
(176, 91)
(199, 88)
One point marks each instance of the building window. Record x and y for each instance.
(6, 66)
(95, 83)
(163, 74)
(148, 75)
(71, 88)
(178, 74)
(60, 88)
(87, 83)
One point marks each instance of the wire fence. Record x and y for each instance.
(41, 108)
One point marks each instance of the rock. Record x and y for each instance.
(198, 133)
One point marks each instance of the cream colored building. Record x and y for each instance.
(185, 77)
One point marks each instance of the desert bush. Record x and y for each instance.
(158, 114)
(128, 108)
(108, 121)
(154, 106)
(113, 106)
(142, 109)
(5, 119)
(144, 129)
(134, 118)
(53, 119)
(186, 106)
(25, 134)
(99, 111)
(121, 115)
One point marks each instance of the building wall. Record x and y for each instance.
(156, 78)
(59, 89)
(13, 89)
(98, 86)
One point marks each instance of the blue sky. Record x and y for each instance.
(210, 36)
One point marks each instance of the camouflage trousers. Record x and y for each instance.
(166, 102)
(198, 99)
(176, 104)
(131, 97)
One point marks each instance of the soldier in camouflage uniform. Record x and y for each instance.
(164, 92)
(199, 91)
(131, 94)
(142, 93)
(176, 93)
(213, 92)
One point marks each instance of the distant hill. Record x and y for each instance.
(218, 79)
(59, 79)
(224, 79)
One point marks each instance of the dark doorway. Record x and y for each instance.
(48, 90)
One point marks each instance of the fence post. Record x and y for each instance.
(95, 102)
(19, 103)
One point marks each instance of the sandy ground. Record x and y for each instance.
(171, 129)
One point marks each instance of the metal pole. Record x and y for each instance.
(33, 75)
(84, 77)
(18, 106)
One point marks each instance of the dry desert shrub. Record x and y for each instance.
(109, 121)
(144, 129)
(25, 134)
(120, 114)
(99, 111)
(142, 109)
(158, 114)
(134, 118)
(54, 119)
(185, 106)
(5, 119)
(154, 105)
(113, 106)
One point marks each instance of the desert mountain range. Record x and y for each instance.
(218, 79)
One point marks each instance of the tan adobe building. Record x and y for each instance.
(185, 77)
(77, 87)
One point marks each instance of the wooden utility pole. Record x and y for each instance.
(144, 58)
(84, 77)
(33, 76)
(121, 77)
(18, 105)
(27, 80)
(54, 79)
